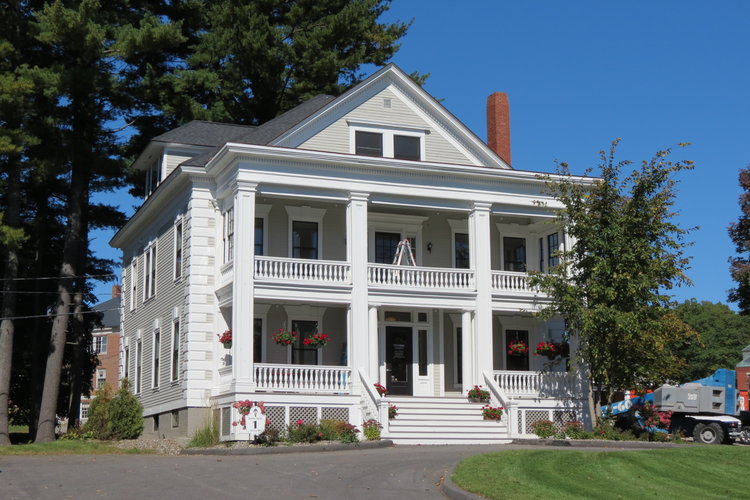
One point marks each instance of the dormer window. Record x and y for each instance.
(153, 177)
(387, 141)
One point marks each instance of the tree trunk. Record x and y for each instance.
(74, 252)
(7, 326)
(76, 369)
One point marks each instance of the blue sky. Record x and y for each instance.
(582, 73)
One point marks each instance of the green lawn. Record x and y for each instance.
(65, 448)
(692, 472)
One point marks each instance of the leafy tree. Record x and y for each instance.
(723, 335)
(612, 283)
(125, 414)
(740, 233)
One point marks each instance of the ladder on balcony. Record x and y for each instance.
(404, 254)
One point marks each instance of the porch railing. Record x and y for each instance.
(420, 277)
(508, 281)
(537, 384)
(281, 268)
(303, 378)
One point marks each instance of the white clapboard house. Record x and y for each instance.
(294, 225)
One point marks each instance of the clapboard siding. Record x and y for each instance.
(172, 158)
(169, 294)
(335, 137)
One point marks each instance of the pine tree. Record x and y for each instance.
(740, 233)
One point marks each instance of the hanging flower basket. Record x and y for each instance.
(550, 349)
(316, 340)
(517, 348)
(226, 339)
(283, 337)
(382, 390)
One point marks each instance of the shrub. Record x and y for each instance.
(303, 433)
(574, 430)
(543, 428)
(269, 437)
(371, 429)
(348, 433)
(125, 413)
(206, 436)
(99, 414)
(77, 434)
(329, 429)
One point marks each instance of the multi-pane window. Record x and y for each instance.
(156, 358)
(553, 247)
(149, 272)
(99, 344)
(153, 178)
(175, 349)
(301, 354)
(229, 235)
(304, 239)
(514, 254)
(84, 411)
(541, 254)
(126, 363)
(259, 235)
(386, 245)
(101, 378)
(138, 365)
(406, 147)
(178, 248)
(461, 242)
(368, 143)
(133, 283)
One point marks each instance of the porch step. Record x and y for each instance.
(443, 421)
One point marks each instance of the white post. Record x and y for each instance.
(466, 347)
(242, 287)
(373, 341)
(356, 249)
(480, 245)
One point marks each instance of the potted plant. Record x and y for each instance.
(392, 412)
(316, 340)
(492, 413)
(283, 337)
(478, 395)
(550, 349)
(226, 339)
(382, 391)
(517, 348)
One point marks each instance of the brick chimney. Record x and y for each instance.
(116, 291)
(498, 125)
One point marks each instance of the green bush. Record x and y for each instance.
(371, 429)
(115, 417)
(205, 437)
(269, 437)
(125, 413)
(543, 428)
(77, 434)
(329, 429)
(575, 430)
(303, 433)
(348, 433)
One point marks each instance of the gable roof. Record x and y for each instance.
(110, 310)
(203, 133)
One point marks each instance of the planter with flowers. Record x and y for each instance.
(226, 339)
(492, 413)
(517, 348)
(478, 395)
(382, 390)
(316, 340)
(550, 349)
(251, 421)
(284, 337)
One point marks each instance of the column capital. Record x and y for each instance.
(244, 186)
(358, 196)
(481, 206)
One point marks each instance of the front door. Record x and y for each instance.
(398, 360)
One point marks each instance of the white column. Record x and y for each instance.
(480, 244)
(356, 250)
(374, 371)
(242, 286)
(466, 349)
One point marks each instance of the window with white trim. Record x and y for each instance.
(178, 249)
(138, 365)
(175, 361)
(101, 378)
(133, 283)
(149, 271)
(305, 232)
(553, 247)
(229, 235)
(387, 140)
(84, 411)
(98, 344)
(126, 362)
(156, 348)
(153, 177)
(386, 230)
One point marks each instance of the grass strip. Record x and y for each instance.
(695, 472)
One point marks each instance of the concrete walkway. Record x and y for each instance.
(398, 473)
